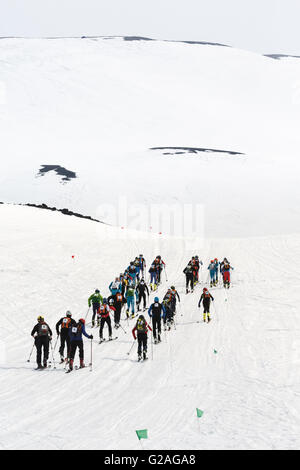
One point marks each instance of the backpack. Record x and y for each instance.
(43, 329)
(119, 297)
(76, 329)
(141, 325)
(66, 322)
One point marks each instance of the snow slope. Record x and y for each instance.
(96, 106)
(249, 390)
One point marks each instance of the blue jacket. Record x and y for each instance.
(76, 335)
(157, 305)
(115, 289)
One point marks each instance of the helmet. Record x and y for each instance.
(196, 257)
(82, 320)
(131, 262)
(40, 318)
(104, 301)
(211, 260)
(156, 299)
(111, 301)
(68, 313)
(159, 257)
(141, 317)
(172, 287)
(141, 255)
(97, 291)
(204, 290)
(216, 259)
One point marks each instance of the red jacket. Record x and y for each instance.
(104, 310)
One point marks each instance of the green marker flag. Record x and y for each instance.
(142, 434)
(215, 351)
(199, 413)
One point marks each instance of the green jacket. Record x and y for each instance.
(95, 299)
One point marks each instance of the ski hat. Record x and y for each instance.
(104, 301)
(82, 320)
(68, 313)
(156, 299)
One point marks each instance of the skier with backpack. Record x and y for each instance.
(156, 312)
(141, 328)
(76, 341)
(153, 277)
(65, 323)
(206, 297)
(103, 313)
(115, 286)
(226, 273)
(142, 289)
(42, 335)
(130, 299)
(212, 272)
(159, 265)
(119, 301)
(95, 300)
(189, 278)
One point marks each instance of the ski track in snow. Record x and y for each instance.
(249, 390)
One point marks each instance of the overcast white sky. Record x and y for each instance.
(265, 26)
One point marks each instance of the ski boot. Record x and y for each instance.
(155, 341)
(132, 315)
(208, 319)
(82, 365)
(45, 364)
(110, 338)
(71, 362)
(127, 314)
(39, 367)
(144, 355)
(158, 338)
(139, 357)
(93, 323)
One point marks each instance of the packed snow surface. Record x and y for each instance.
(249, 389)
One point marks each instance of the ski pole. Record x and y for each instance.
(28, 360)
(131, 347)
(87, 313)
(123, 329)
(54, 366)
(56, 342)
(166, 274)
(91, 361)
(151, 345)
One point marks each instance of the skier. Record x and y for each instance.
(160, 265)
(103, 314)
(153, 277)
(212, 273)
(197, 265)
(141, 328)
(76, 341)
(156, 312)
(130, 294)
(142, 264)
(132, 271)
(169, 315)
(42, 335)
(189, 276)
(95, 299)
(217, 269)
(65, 324)
(119, 301)
(206, 297)
(142, 289)
(174, 297)
(226, 274)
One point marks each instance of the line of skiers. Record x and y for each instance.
(124, 290)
